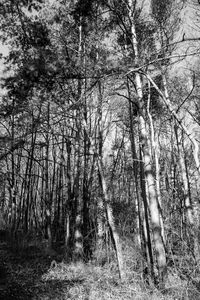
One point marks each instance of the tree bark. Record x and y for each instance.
(146, 157)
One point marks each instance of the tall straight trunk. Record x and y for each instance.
(136, 163)
(36, 198)
(86, 202)
(150, 181)
(52, 194)
(100, 219)
(29, 176)
(171, 178)
(191, 224)
(42, 185)
(57, 200)
(13, 187)
(60, 195)
(47, 183)
(19, 202)
(69, 203)
(146, 157)
(143, 224)
(146, 225)
(25, 207)
(158, 180)
(187, 200)
(86, 180)
(155, 157)
(76, 210)
(194, 230)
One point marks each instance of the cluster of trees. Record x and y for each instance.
(98, 138)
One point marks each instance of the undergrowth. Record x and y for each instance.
(33, 275)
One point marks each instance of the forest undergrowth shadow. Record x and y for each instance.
(30, 274)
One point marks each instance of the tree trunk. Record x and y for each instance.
(146, 158)
(111, 223)
(47, 184)
(135, 172)
(187, 200)
(108, 208)
(155, 156)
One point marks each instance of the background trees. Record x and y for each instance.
(99, 139)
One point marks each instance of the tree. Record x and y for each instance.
(95, 135)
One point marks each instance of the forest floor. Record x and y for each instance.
(29, 274)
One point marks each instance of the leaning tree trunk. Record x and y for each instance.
(106, 202)
(111, 222)
(108, 208)
(146, 158)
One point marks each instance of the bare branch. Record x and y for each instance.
(174, 114)
(190, 93)
(161, 59)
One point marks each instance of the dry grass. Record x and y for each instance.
(94, 282)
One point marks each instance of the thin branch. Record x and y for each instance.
(174, 114)
(160, 59)
(190, 93)
(194, 118)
